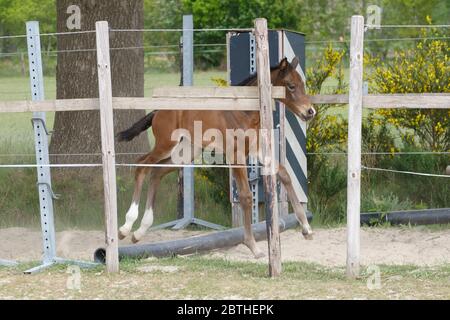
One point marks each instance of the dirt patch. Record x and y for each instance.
(22, 244)
(393, 246)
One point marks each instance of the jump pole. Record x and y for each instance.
(354, 146)
(198, 244)
(413, 217)
(108, 152)
(268, 146)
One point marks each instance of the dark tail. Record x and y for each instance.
(137, 128)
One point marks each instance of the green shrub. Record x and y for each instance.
(327, 132)
(433, 191)
(328, 198)
(371, 201)
(423, 69)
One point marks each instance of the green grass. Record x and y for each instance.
(198, 277)
(16, 135)
(18, 88)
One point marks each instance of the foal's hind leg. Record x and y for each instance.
(298, 208)
(153, 157)
(245, 198)
(155, 178)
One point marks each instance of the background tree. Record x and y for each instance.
(403, 12)
(14, 14)
(79, 132)
(234, 14)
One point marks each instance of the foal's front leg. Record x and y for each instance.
(298, 208)
(245, 199)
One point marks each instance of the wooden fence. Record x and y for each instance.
(180, 98)
(235, 99)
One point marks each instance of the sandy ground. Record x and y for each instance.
(396, 246)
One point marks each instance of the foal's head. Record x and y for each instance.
(296, 99)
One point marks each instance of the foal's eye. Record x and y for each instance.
(291, 87)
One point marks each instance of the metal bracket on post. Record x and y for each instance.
(254, 181)
(42, 121)
(53, 195)
(46, 194)
(188, 173)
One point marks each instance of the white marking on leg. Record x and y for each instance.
(131, 217)
(146, 223)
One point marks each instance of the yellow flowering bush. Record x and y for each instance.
(327, 132)
(422, 69)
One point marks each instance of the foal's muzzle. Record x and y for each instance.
(309, 114)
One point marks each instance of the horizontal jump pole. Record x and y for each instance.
(209, 242)
(413, 217)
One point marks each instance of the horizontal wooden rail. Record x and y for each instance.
(214, 99)
(387, 101)
(49, 105)
(179, 98)
(211, 104)
(132, 104)
(329, 99)
(410, 101)
(215, 92)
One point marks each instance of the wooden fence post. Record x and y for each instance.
(354, 146)
(108, 153)
(268, 145)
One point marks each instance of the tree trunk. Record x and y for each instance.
(79, 132)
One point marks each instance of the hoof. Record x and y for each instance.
(121, 235)
(308, 236)
(134, 240)
(259, 255)
(254, 249)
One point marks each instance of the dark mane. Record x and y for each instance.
(246, 81)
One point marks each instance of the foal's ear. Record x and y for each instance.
(284, 64)
(295, 62)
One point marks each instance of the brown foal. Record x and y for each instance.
(165, 122)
